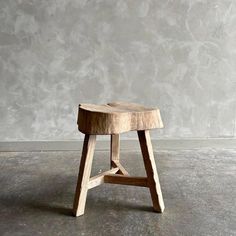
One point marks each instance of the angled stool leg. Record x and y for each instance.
(150, 166)
(84, 174)
(115, 149)
(115, 154)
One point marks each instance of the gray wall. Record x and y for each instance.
(179, 55)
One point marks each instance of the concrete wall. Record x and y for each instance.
(179, 55)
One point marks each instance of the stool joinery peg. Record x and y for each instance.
(113, 119)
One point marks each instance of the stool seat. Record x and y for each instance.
(116, 118)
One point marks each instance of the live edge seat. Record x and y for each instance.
(113, 119)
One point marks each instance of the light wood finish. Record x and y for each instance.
(115, 154)
(122, 170)
(116, 118)
(115, 149)
(113, 119)
(99, 179)
(84, 174)
(150, 166)
(126, 180)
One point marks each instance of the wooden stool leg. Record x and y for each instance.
(84, 174)
(150, 166)
(115, 149)
(115, 154)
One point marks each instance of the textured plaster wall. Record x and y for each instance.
(179, 55)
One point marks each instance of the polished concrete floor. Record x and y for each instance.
(199, 189)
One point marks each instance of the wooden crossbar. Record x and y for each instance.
(126, 180)
(99, 179)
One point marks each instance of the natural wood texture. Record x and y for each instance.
(115, 154)
(150, 166)
(113, 119)
(99, 179)
(116, 118)
(115, 149)
(84, 174)
(122, 170)
(126, 180)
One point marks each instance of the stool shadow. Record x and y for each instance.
(48, 199)
(101, 204)
(27, 205)
(50, 208)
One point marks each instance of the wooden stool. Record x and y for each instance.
(113, 119)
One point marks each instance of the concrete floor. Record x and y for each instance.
(37, 188)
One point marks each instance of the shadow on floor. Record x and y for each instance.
(58, 199)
